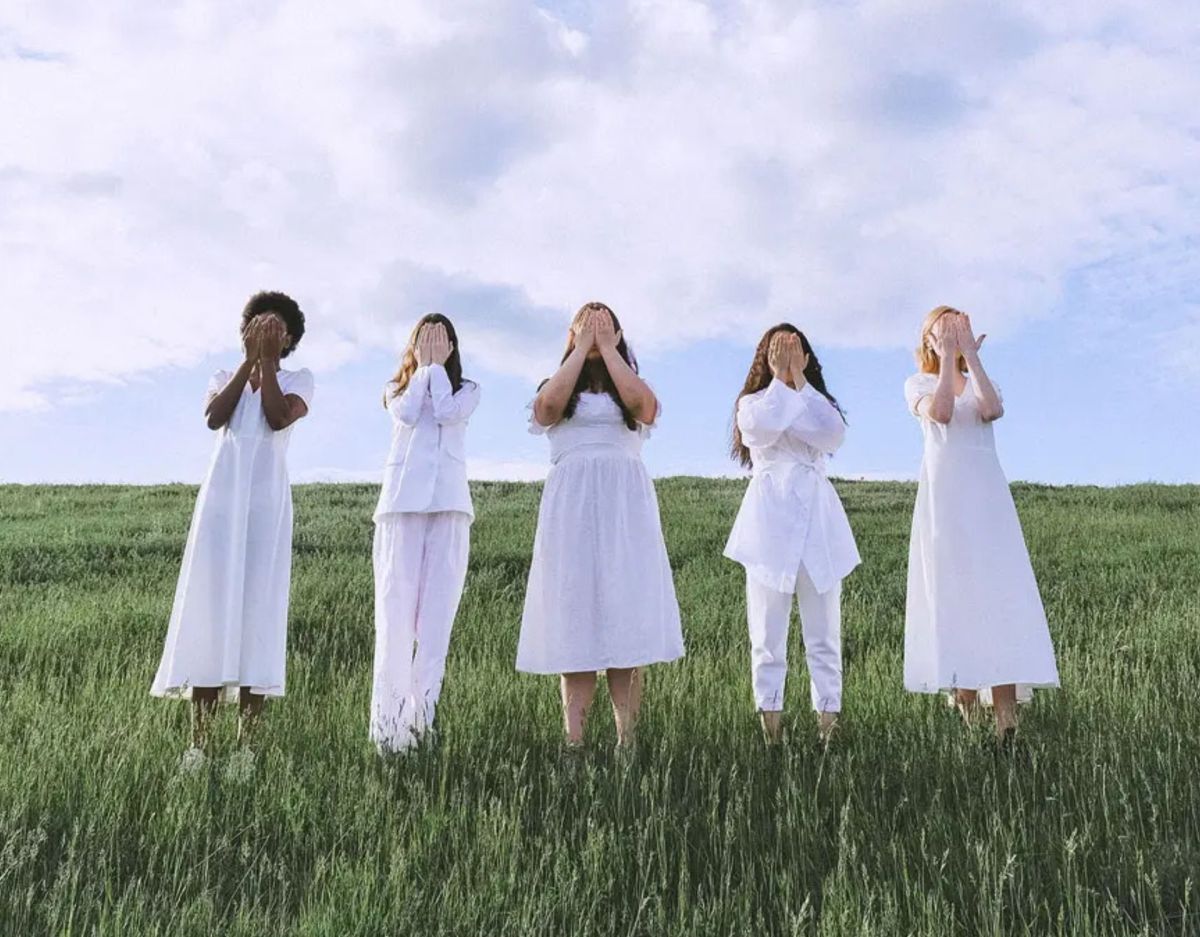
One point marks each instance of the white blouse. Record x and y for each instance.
(426, 470)
(791, 514)
(597, 422)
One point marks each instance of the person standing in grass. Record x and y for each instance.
(600, 593)
(791, 533)
(422, 533)
(227, 637)
(974, 623)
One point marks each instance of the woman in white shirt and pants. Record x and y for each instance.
(422, 533)
(791, 533)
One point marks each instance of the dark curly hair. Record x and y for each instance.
(760, 376)
(283, 306)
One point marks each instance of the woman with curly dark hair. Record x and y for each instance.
(228, 631)
(791, 533)
(600, 593)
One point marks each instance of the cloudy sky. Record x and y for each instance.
(707, 169)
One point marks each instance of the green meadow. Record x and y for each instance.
(908, 824)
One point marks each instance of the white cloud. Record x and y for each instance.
(705, 168)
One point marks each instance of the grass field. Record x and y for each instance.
(907, 826)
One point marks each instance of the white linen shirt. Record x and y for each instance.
(426, 470)
(791, 514)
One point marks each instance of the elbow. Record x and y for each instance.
(992, 414)
(276, 421)
(545, 414)
(213, 421)
(941, 415)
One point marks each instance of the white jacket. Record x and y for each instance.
(426, 470)
(791, 515)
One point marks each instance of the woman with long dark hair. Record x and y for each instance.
(974, 624)
(422, 532)
(791, 533)
(600, 593)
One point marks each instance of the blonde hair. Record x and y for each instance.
(927, 359)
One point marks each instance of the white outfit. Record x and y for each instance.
(974, 617)
(228, 626)
(422, 541)
(600, 592)
(426, 468)
(793, 538)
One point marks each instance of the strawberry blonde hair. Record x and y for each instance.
(928, 361)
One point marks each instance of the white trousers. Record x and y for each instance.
(420, 567)
(769, 615)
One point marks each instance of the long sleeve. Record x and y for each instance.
(765, 417)
(449, 407)
(407, 406)
(819, 424)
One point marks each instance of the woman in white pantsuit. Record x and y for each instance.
(227, 639)
(422, 533)
(791, 533)
(974, 621)
(600, 593)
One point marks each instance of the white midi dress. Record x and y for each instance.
(228, 626)
(974, 618)
(600, 592)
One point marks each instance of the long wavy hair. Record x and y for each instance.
(760, 376)
(927, 359)
(408, 361)
(594, 376)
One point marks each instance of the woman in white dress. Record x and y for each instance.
(227, 636)
(600, 593)
(791, 533)
(422, 533)
(974, 620)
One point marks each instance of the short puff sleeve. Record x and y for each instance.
(216, 384)
(300, 383)
(917, 388)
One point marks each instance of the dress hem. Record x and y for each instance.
(228, 691)
(597, 668)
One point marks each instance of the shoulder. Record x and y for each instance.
(750, 397)
(920, 383)
(298, 382)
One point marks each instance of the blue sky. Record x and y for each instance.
(705, 168)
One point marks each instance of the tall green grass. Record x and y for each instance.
(908, 825)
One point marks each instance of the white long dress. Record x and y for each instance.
(600, 590)
(228, 626)
(974, 618)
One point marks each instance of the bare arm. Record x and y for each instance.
(552, 398)
(635, 393)
(991, 407)
(221, 405)
(939, 406)
(281, 411)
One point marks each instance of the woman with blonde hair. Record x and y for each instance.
(974, 621)
(600, 593)
(422, 533)
(791, 534)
